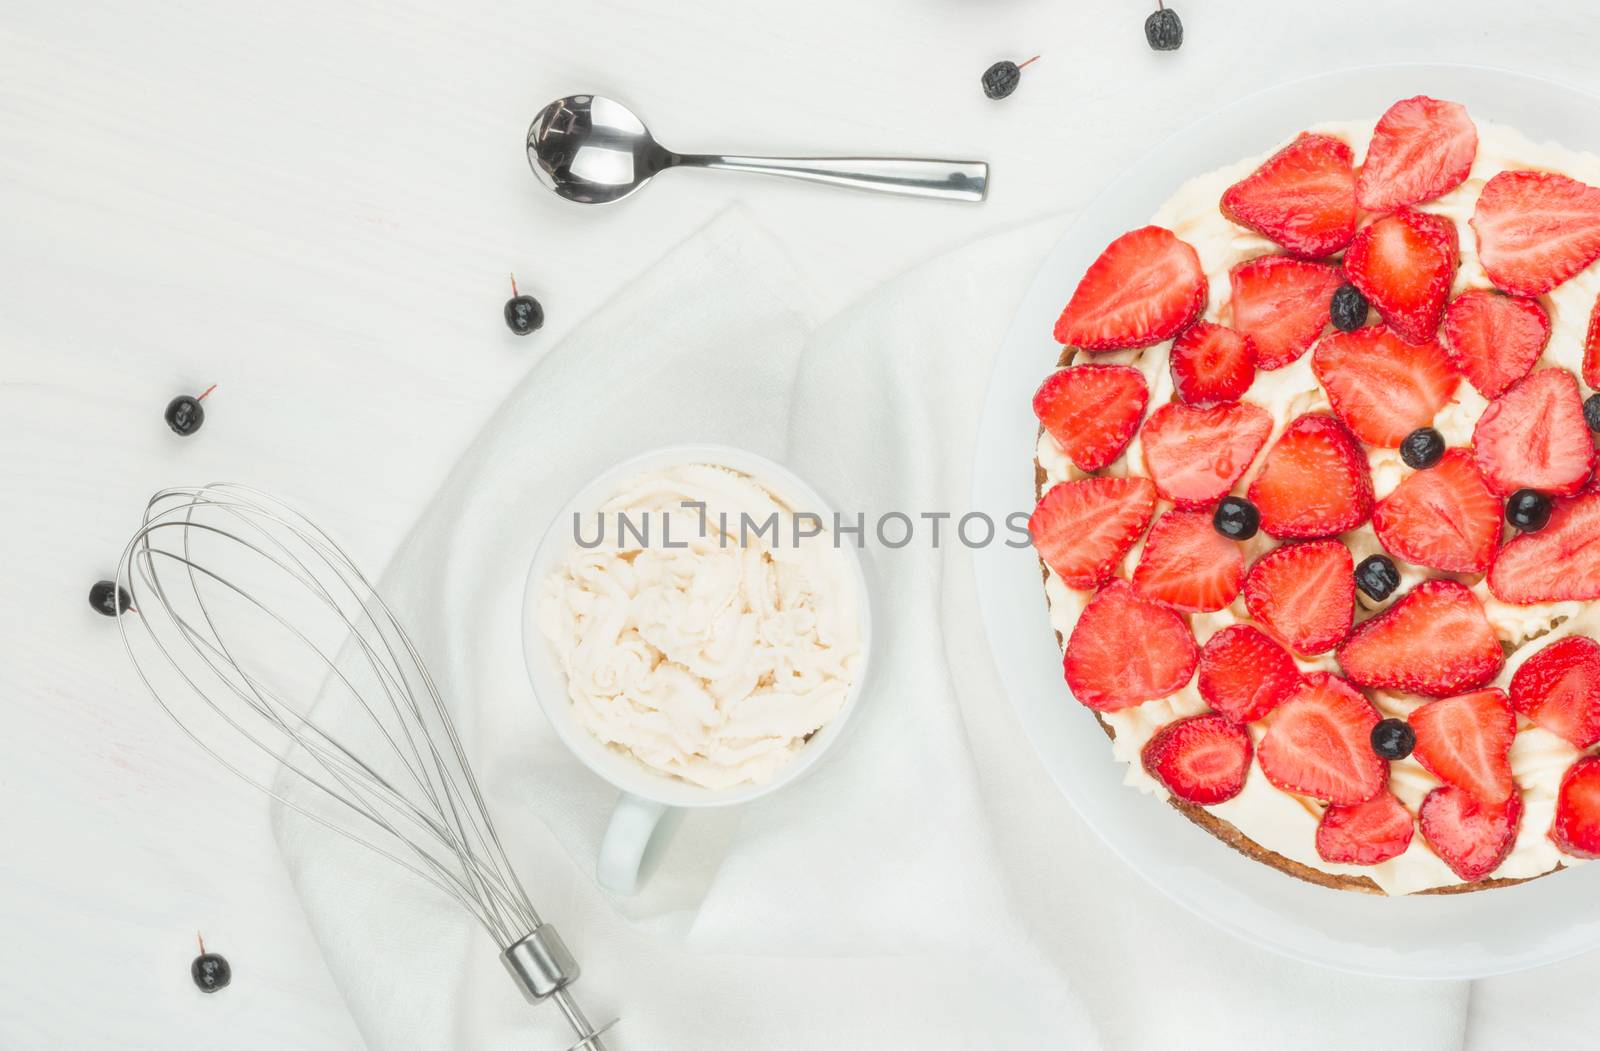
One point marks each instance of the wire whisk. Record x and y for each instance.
(268, 646)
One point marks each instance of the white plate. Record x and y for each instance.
(1434, 936)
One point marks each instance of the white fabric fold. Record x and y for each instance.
(926, 886)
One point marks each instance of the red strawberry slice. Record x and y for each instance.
(1318, 743)
(1202, 759)
(1092, 411)
(1146, 286)
(1445, 517)
(1404, 264)
(1188, 564)
(1303, 197)
(1082, 529)
(1576, 828)
(1305, 594)
(1559, 563)
(1382, 387)
(1471, 836)
(1436, 641)
(1534, 436)
(1282, 305)
(1591, 349)
(1212, 363)
(1466, 741)
(1559, 689)
(1244, 674)
(1422, 148)
(1365, 834)
(1105, 672)
(1494, 339)
(1315, 481)
(1535, 230)
(1196, 455)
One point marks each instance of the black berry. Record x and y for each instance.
(524, 315)
(1393, 739)
(1348, 311)
(1528, 510)
(1422, 448)
(1591, 412)
(210, 970)
(1236, 518)
(107, 598)
(1002, 78)
(1164, 29)
(1377, 577)
(185, 414)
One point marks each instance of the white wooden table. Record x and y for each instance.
(315, 205)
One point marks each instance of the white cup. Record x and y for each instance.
(637, 825)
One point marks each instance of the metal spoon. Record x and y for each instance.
(594, 150)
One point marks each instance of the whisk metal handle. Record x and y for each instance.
(544, 968)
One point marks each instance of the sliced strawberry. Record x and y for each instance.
(1471, 836)
(1559, 563)
(1282, 305)
(1494, 339)
(1422, 148)
(1082, 529)
(1436, 641)
(1212, 363)
(1202, 759)
(1576, 828)
(1105, 672)
(1315, 481)
(1445, 517)
(1305, 594)
(1559, 689)
(1188, 565)
(1591, 349)
(1092, 411)
(1535, 230)
(1318, 743)
(1244, 674)
(1303, 197)
(1196, 455)
(1146, 286)
(1466, 741)
(1365, 834)
(1404, 264)
(1534, 436)
(1382, 387)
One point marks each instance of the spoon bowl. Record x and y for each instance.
(593, 150)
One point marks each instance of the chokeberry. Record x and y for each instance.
(210, 970)
(1002, 78)
(109, 599)
(185, 414)
(1591, 412)
(1528, 510)
(1422, 448)
(1377, 576)
(1236, 518)
(1348, 311)
(1393, 739)
(523, 313)
(1164, 29)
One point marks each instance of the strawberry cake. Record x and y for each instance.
(1318, 509)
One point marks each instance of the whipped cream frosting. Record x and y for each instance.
(1278, 820)
(695, 655)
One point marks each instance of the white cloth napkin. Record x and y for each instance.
(927, 887)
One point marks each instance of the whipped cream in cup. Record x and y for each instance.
(681, 665)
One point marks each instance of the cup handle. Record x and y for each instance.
(629, 839)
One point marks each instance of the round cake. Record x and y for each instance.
(1318, 511)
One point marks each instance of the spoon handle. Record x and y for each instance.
(944, 180)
